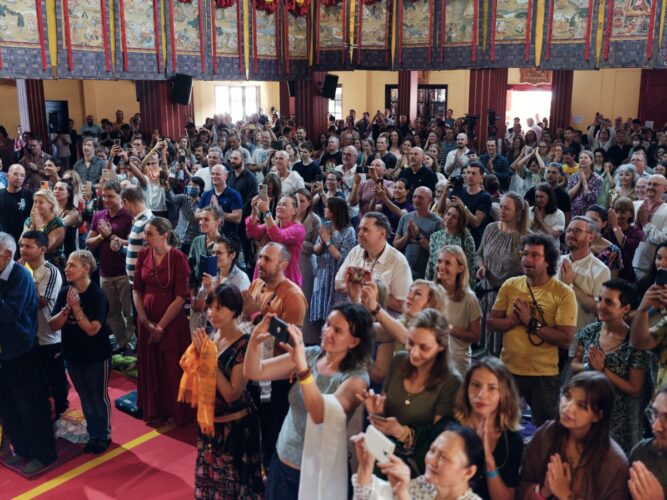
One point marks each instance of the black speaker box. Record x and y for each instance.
(181, 92)
(329, 86)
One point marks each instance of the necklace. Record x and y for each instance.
(155, 271)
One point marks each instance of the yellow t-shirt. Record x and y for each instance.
(570, 170)
(559, 306)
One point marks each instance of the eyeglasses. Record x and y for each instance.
(653, 415)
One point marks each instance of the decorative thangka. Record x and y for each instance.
(23, 43)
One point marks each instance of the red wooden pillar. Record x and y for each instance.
(310, 108)
(561, 99)
(488, 92)
(159, 112)
(286, 101)
(31, 104)
(408, 83)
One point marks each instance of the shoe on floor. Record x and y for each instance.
(33, 466)
(90, 446)
(101, 445)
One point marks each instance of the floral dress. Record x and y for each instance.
(626, 423)
(229, 464)
(611, 257)
(582, 200)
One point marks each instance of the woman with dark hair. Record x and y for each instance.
(516, 150)
(67, 212)
(403, 158)
(545, 216)
(574, 456)
(329, 377)
(623, 233)
(454, 232)
(602, 248)
(660, 262)
(454, 464)
(160, 292)
(324, 191)
(80, 312)
(395, 143)
(419, 390)
(488, 403)
(210, 223)
(273, 190)
(229, 463)
(605, 346)
(336, 239)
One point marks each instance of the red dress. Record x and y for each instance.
(158, 364)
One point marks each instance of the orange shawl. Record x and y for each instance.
(199, 381)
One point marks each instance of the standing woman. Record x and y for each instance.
(454, 232)
(81, 314)
(622, 232)
(160, 292)
(229, 464)
(585, 186)
(500, 238)
(337, 367)
(286, 230)
(311, 224)
(67, 212)
(601, 247)
(488, 403)
(604, 346)
(545, 216)
(625, 180)
(43, 218)
(210, 221)
(461, 305)
(336, 239)
(574, 456)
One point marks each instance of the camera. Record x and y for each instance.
(457, 181)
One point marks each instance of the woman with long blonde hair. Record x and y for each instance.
(461, 304)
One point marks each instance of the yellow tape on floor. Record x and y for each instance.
(83, 468)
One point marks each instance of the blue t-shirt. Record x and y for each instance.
(229, 200)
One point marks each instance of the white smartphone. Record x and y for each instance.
(378, 445)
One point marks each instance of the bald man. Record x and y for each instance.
(414, 231)
(15, 202)
(418, 175)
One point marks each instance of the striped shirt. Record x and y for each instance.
(48, 283)
(135, 241)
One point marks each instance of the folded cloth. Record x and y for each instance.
(198, 383)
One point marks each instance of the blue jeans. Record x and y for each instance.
(91, 381)
(283, 481)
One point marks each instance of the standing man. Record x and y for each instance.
(90, 166)
(228, 199)
(537, 314)
(15, 202)
(496, 164)
(552, 176)
(245, 183)
(652, 218)
(24, 398)
(418, 175)
(48, 282)
(415, 230)
(109, 232)
(476, 201)
(457, 159)
(235, 145)
(384, 154)
(133, 202)
(91, 129)
(34, 163)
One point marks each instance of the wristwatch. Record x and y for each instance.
(267, 213)
(419, 237)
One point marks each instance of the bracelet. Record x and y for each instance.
(490, 474)
(304, 374)
(308, 380)
(377, 309)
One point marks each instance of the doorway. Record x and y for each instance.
(527, 101)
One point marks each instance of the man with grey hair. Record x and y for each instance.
(24, 399)
(350, 173)
(290, 180)
(582, 270)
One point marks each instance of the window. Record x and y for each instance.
(239, 101)
(336, 105)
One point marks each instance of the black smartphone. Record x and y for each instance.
(277, 145)
(661, 277)
(278, 328)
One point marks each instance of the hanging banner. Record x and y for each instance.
(186, 26)
(632, 34)
(297, 35)
(138, 35)
(415, 33)
(372, 45)
(330, 38)
(266, 31)
(24, 51)
(460, 46)
(83, 39)
(570, 35)
(226, 42)
(510, 34)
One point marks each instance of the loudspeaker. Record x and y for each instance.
(291, 88)
(181, 92)
(329, 86)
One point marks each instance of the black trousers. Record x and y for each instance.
(53, 364)
(25, 409)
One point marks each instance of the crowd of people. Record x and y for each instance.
(295, 290)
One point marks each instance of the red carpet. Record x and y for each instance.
(157, 465)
